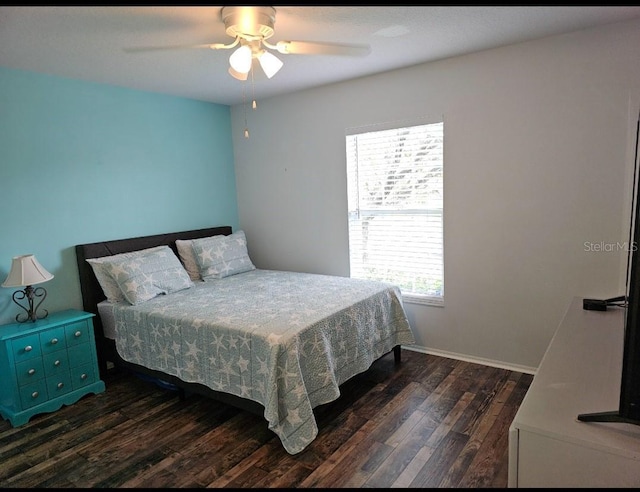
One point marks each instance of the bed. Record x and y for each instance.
(275, 343)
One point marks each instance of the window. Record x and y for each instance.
(395, 190)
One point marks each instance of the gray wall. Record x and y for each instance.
(538, 163)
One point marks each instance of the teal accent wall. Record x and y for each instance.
(83, 162)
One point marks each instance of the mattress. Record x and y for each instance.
(105, 310)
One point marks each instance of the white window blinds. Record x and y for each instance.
(395, 200)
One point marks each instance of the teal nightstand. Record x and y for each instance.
(46, 364)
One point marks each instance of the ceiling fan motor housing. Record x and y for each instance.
(249, 23)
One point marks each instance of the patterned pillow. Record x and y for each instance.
(149, 275)
(222, 256)
(108, 284)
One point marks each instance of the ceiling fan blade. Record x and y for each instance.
(312, 48)
(213, 46)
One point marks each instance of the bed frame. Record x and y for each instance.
(92, 294)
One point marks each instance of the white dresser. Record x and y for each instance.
(579, 373)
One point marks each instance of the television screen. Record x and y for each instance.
(629, 407)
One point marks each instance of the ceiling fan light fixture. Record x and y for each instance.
(238, 75)
(270, 63)
(249, 22)
(240, 60)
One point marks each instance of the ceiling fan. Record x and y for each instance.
(251, 27)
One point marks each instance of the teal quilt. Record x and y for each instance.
(286, 340)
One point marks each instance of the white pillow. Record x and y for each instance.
(222, 256)
(109, 285)
(149, 275)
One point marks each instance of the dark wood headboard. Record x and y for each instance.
(92, 293)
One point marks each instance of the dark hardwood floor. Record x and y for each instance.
(429, 422)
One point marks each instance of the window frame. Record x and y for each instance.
(410, 297)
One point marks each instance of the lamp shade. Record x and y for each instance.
(26, 270)
(240, 59)
(270, 63)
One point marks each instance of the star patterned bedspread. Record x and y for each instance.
(286, 340)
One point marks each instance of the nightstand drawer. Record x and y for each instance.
(52, 340)
(84, 375)
(56, 363)
(33, 394)
(26, 347)
(59, 385)
(77, 332)
(29, 371)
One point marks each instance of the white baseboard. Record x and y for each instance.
(474, 360)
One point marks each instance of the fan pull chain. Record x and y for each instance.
(254, 105)
(244, 107)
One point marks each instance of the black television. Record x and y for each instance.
(629, 405)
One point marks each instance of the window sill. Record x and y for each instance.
(423, 300)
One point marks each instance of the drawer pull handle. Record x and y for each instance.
(83, 376)
(77, 334)
(56, 363)
(35, 394)
(31, 372)
(60, 385)
(28, 348)
(54, 341)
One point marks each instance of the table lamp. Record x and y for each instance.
(26, 271)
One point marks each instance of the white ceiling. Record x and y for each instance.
(89, 43)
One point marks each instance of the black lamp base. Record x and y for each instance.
(29, 293)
